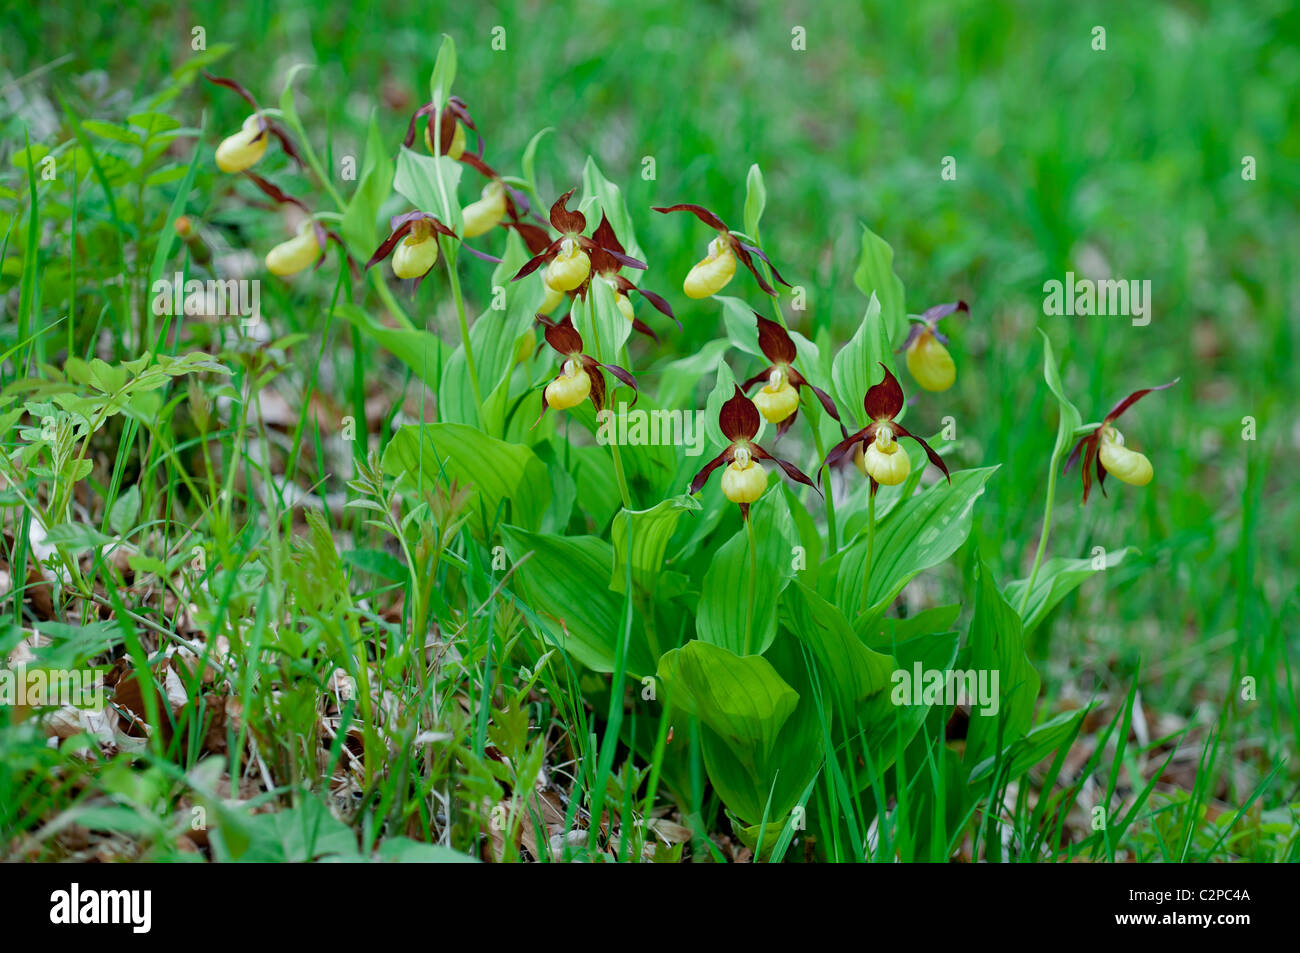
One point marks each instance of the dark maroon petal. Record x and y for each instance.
(474, 162)
(1101, 475)
(626, 261)
(845, 446)
(739, 418)
(602, 262)
(426, 110)
(660, 303)
(1088, 454)
(231, 84)
(623, 376)
(748, 262)
(1078, 449)
(792, 471)
(642, 328)
(700, 212)
(1134, 397)
(564, 338)
(597, 383)
(481, 255)
(545, 408)
(604, 235)
(564, 221)
(757, 378)
(274, 191)
(825, 398)
(286, 143)
(534, 236)
(709, 467)
(937, 460)
(761, 254)
(775, 341)
(884, 400)
(934, 314)
(538, 260)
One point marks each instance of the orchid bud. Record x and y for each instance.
(484, 215)
(569, 268)
(457, 147)
(625, 306)
(777, 399)
(710, 275)
(291, 257)
(744, 479)
(415, 254)
(1124, 464)
(883, 462)
(930, 363)
(553, 298)
(570, 388)
(524, 346)
(242, 150)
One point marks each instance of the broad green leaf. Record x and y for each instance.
(373, 188)
(742, 329)
(875, 276)
(422, 351)
(723, 612)
(920, 533)
(403, 850)
(125, 511)
(755, 199)
(649, 532)
(743, 700)
(510, 483)
(566, 581)
(430, 184)
(1056, 579)
(857, 366)
(603, 326)
(1023, 754)
(529, 162)
(995, 644)
(855, 670)
(106, 130)
(76, 537)
(1070, 419)
(444, 72)
(888, 632)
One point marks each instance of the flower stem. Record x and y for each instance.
(613, 444)
(871, 547)
(464, 326)
(753, 574)
(1042, 538)
(832, 537)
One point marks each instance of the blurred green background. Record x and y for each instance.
(1121, 163)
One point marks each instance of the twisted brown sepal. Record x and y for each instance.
(1089, 446)
(263, 124)
(274, 192)
(882, 402)
(454, 110)
(930, 319)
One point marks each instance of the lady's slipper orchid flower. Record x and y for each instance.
(711, 274)
(298, 253)
(567, 261)
(928, 359)
(778, 398)
(606, 267)
(745, 479)
(878, 441)
(451, 138)
(413, 243)
(1106, 445)
(245, 148)
(580, 376)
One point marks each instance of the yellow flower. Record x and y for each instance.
(624, 305)
(291, 257)
(777, 399)
(883, 462)
(744, 480)
(244, 149)
(483, 215)
(569, 268)
(711, 274)
(1124, 464)
(569, 389)
(930, 363)
(415, 255)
